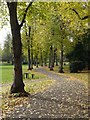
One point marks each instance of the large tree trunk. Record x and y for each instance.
(18, 85)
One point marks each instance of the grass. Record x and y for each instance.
(82, 76)
(7, 73)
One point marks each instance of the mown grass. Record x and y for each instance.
(7, 73)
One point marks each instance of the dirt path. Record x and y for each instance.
(66, 99)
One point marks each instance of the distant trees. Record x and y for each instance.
(86, 44)
(7, 53)
(80, 51)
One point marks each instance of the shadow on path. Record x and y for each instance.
(65, 99)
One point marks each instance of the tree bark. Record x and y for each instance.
(45, 61)
(31, 54)
(36, 61)
(41, 58)
(56, 60)
(54, 56)
(18, 85)
(29, 57)
(61, 60)
(51, 58)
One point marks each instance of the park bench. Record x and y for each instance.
(26, 75)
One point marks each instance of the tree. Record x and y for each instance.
(29, 51)
(78, 53)
(18, 85)
(53, 24)
(85, 17)
(7, 50)
(85, 39)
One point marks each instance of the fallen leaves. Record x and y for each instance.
(10, 102)
(38, 86)
(65, 98)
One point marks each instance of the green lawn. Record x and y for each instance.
(7, 73)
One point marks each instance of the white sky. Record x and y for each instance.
(3, 34)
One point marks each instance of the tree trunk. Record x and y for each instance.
(45, 61)
(41, 59)
(36, 61)
(51, 58)
(61, 60)
(31, 54)
(29, 61)
(56, 60)
(29, 58)
(54, 57)
(18, 85)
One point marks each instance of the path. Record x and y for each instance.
(66, 99)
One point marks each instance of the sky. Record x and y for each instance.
(3, 33)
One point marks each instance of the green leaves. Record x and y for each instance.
(53, 22)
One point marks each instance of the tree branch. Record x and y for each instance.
(86, 17)
(25, 13)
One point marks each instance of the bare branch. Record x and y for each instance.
(86, 17)
(25, 13)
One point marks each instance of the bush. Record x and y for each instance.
(76, 66)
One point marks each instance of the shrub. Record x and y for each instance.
(76, 66)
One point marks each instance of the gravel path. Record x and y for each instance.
(66, 99)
